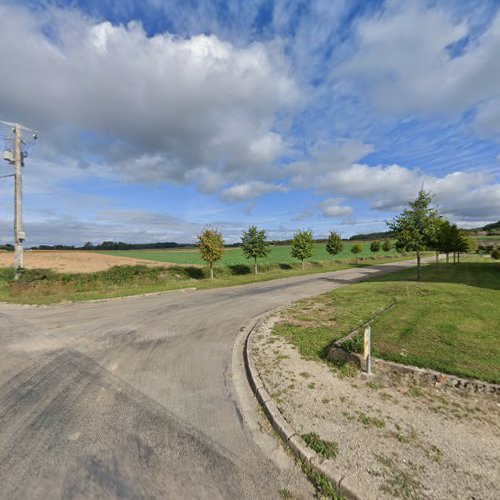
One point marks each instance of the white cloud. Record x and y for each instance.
(331, 207)
(250, 190)
(404, 60)
(159, 108)
(473, 195)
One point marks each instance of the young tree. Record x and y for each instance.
(462, 244)
(302, 245)
(357, 248)
(334, 244)
(211, 247)
(386, 247)
(254, 245)
(415, 226)
(444, 239)
(375, 246)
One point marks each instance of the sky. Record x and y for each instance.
(159, 117)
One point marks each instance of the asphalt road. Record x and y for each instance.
(134, 398)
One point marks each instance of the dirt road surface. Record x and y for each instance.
(135, 398)
(73, 261)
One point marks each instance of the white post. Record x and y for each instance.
(367, 350)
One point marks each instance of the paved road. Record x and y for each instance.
(134, 398)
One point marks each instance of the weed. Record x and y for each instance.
(348, 370)
(311, 385)
(323, 485)
(305, 375)
(328, 449)
(367, 421)
(416, 392)
(400, 483)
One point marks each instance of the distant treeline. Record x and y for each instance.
(120, 245)
(115, 245)
(373, 236)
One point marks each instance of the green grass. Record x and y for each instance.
(447, 322)
(328, 449)
(38, 286)
(234, 256)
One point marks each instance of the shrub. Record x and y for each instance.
(357, 248)
(375, 246)
(495, 254)
(387, 246)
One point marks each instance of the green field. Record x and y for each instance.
(234, 256)
(447, 322)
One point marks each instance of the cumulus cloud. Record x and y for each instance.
(157, 108)
(331, 207)
(250, 190)
(408, 59)
(475, 195)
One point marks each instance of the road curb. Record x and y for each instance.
(292, 440)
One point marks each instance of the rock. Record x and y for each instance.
(338, 355)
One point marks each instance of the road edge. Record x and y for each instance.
(290, 439)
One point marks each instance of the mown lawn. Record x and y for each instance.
(448, 322)
(234, 256)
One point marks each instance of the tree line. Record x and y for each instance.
(255, 246)
(418, 228)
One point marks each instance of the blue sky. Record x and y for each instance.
(159, 117)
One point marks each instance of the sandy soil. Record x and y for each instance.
(394, 441)
(73, 261)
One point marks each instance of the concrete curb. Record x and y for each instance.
(292, 440)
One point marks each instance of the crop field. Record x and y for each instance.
(234, 256)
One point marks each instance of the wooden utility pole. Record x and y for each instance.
(19, 235)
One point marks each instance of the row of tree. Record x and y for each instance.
(255, 245)
(418, 228)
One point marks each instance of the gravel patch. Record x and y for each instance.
(394, 441)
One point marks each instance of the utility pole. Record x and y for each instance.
(19, 235)
(16, 158)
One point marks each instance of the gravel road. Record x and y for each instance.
(134, 398)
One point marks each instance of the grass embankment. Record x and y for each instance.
(448, 322)
(39, 286)
(280, 254)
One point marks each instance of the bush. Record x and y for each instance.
(357, 248)
(375, 246)
(495, 254)
(387, 246)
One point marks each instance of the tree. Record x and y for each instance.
(375, 246)
(357, 248)
(88, 246)
(386, 247)
(211, 247)
(334, 244)
(302, 245)
(254, 245)
(462, 243)
(415, 226)
(444, 239)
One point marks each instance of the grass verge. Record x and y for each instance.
(41, 286)
(447, 322)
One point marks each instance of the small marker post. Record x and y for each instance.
(367, 350)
